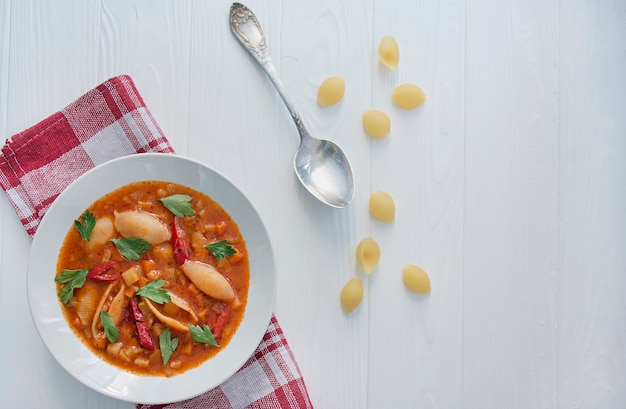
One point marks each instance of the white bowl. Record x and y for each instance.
(73, 355)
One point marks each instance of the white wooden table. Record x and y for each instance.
(510, 185)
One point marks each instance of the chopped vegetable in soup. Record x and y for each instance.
(154, 278)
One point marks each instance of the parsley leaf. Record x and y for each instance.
(203, 334)
(221, 249)
(153, 291)
(167, 345)
(85, 225)
(109, 326)
(73, 279)
(179, 205)
(131, 247)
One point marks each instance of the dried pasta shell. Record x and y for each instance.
(376, 123)
(208, 280)
(144, 225)
(351, 294)
(331, 91)
(416, 279)
(367, 254)
(408, 96)
(382, 206)
(389, 52)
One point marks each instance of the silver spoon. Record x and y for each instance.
(321, 165)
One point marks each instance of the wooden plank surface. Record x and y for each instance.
(592, 177)
(511, 202)
(509, 183)
(415, 340)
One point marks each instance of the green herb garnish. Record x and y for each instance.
(153, 291)
(85, 225)
(109, 326)
(131, 247)
(221, 249)
(167, 344)
(179, 205)
(73, 279)
(203, 334)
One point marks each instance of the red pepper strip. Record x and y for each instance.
(145, 338)
(101, 272)
(217, 321)
(180, 242)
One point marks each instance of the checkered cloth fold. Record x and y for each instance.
(107, 122)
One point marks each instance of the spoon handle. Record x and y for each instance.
(247, 30)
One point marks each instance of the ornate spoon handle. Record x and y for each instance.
(247, 30)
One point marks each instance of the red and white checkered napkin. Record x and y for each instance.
(105, 123)
(110, 121)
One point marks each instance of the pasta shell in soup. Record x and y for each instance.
(86, 303)
(208, 280)
(96, 324)
(144, 225)
(176, 314)
(102, 232)
(118, 305)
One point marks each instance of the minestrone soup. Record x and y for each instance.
(153, 278)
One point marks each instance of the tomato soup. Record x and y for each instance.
(153, 278)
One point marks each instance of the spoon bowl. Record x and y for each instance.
(321, 166)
